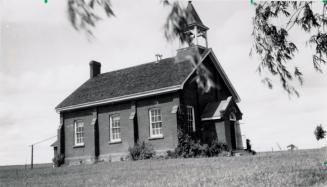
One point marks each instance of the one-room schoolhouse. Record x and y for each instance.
(113, 111)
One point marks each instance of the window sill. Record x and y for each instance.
(156, 137)
(114, 142)
(77, 146)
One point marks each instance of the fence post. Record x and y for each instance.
(32, 156)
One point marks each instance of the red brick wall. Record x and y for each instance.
(86, 151)
(169, 119)
(126, 129)
(113, 151)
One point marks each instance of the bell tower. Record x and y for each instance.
(195, 29)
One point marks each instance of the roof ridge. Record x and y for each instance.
(138, 65)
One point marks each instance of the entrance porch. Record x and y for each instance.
(220, 121)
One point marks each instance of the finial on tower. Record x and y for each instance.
(195, 28)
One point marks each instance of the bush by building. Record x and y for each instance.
(58, 160)
(141, 151)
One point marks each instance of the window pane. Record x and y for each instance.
(115, 128)
(190, 118)
(78, 134)
(155, 121)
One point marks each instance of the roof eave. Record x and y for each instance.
(120, 98)
(226, 79)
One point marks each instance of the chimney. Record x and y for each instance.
(95, 69)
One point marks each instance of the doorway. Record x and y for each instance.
(232, 134)
(232, 121)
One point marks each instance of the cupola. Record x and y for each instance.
(195, 28)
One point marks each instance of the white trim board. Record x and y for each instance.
(121, 98)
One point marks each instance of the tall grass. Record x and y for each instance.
(296, 168)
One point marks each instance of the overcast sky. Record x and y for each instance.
(43, 59)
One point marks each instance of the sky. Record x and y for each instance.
(43, 59)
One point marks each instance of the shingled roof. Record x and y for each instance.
(142, 78)
(159, 77)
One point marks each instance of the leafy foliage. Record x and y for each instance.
(271, 41)
(216, 148)
(174, 28)
(82, 13)
(176, 22)
(189, 147)
(141, 151)
(58, 160)
(319, 132)
(320, 41)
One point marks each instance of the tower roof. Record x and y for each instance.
(193, 18)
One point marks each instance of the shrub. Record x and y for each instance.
(202, 150)
(58, 160)
(319, 132)
(141, 151)
(216, 148)
(171, 154)
(188, 147)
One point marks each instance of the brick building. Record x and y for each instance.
(112, 111)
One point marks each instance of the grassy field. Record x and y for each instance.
(297, 168)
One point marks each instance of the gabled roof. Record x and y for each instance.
(153, 76)
(193, 18)
(167, 75)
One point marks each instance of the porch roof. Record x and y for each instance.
(54, 144)
(214, 111)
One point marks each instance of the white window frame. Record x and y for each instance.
(79, 140)
(152, 118)
(111, 127)
(188, 115)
